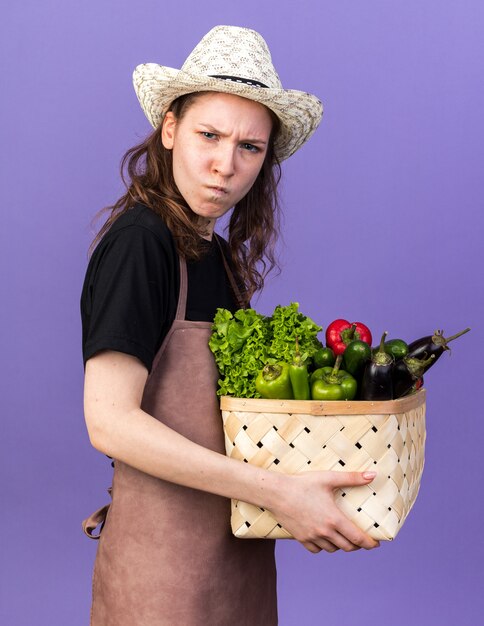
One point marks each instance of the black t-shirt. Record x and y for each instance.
(130, 291)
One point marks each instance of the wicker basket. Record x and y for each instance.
(293, 436)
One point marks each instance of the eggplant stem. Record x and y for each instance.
(462, 332)
(382, 342)
(381, 357)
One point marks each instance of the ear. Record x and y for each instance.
(168, 130)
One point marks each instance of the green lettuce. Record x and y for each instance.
(287, 323)
(244, 342)
(239, 343)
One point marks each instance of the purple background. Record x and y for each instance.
(383, 223)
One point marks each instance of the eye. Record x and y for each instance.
(208, 135)
(250, 147)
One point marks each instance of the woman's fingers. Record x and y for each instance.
(341, 543)
(322, 544)
(348, 536)
(344, 543)
(327, 545)
(312, 547)
(337, 480)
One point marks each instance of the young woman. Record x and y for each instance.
(166, 555)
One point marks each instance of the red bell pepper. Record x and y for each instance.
(340, 332)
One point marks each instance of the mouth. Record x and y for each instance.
(219, 191)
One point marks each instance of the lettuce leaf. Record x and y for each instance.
(239, 343)
(287, 323)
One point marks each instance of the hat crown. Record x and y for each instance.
(233, 51)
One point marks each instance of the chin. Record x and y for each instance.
(213, 213)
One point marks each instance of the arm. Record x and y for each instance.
(118, 427)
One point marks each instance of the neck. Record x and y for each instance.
(206, 228)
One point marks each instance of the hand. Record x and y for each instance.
(308, 511)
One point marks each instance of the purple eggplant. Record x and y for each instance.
(377, 381)
(406, 372)
(432, 345)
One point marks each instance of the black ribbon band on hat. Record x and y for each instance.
(237, 79)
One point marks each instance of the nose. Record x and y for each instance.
(224, 161)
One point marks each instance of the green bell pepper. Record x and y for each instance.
(331, 383)
(357, 353)
(274, 382)
(324, 357)
(397, 348)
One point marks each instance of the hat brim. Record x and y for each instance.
(299, 112)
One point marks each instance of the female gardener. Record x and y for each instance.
(166, 555)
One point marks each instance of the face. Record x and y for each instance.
(218, 148)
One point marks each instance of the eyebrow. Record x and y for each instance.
(212, 129)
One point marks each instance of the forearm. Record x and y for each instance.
(143, 442)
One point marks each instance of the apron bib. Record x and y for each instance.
(166, 554)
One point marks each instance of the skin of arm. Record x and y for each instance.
(117, 426)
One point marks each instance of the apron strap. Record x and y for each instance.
(95, 519)
(181, 309)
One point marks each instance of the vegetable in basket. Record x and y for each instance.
(406, 372)
(244, 342)
(298, 373)
(239, 343)
(377, 381)
(355, 357)
(287, 323)
(274, 382)
(433, 344)
(324, 357)
(340, 332)
(397, 348)
(331, 383)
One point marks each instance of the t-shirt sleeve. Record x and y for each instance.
(124, 302)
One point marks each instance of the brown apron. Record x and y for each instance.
(166, 555)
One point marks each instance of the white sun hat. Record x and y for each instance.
(233, 60)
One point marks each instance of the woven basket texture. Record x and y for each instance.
(390, 441)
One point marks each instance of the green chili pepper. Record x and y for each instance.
(356, 355)
(273, 382)
(298, 373)
(331, 383)
(324, 357)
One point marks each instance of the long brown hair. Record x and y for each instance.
(253, 226)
